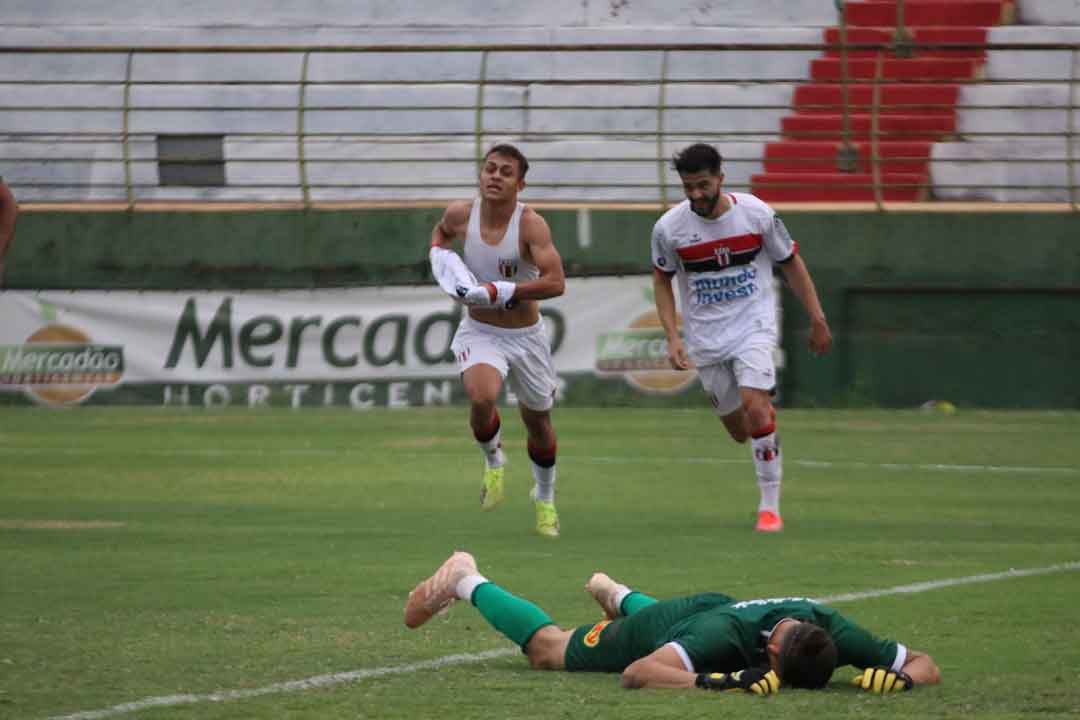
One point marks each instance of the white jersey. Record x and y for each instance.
(497, 262)
(726, 286)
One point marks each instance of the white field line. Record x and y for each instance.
(597, 459)
(948, 582)
(318, 681)
(322, 681)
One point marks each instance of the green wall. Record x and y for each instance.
(976, 308)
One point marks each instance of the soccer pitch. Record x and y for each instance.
(161, 563)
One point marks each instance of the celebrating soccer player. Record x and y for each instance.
(510, 263)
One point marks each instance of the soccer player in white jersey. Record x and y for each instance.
(722, 246)
(510, 264)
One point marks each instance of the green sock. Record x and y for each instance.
(635, 601)
(514, 617)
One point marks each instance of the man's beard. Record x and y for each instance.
(709, 202)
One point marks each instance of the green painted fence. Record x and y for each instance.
(976, 308)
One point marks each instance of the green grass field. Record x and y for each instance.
(150, 553)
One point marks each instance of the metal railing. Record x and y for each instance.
(350, 126)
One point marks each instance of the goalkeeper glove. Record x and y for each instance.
(759, 682)
(882, 680)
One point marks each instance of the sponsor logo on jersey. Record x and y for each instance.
(507, 268)
(60, 365)
(712, 289)
(592, 638)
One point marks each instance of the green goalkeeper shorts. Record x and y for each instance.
(596, 648)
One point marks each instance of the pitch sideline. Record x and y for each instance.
(322, 681)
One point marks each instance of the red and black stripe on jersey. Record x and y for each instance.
(719, 254)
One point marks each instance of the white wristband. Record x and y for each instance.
(504, 291)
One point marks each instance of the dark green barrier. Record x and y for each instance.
(975, 308)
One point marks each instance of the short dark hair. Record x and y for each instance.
(807, 657)
(695, 158)
(510, 151)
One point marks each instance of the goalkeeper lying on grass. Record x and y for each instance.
(708, 640)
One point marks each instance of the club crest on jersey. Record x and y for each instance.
(592, 638)
(507, 268)
(723, 255)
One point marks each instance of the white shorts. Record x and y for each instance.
(752, 368)
(521, 355)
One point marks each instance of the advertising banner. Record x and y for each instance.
(360, 347)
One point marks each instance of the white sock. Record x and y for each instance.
(493, 454)
(545, 482)
(770, 470)
(620, 595)
(467, 584)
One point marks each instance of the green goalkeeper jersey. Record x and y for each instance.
(720, 634)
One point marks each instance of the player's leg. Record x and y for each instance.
(518, 619)
(616, 599)
(483, 384)
(483, 369)
(533, 379)
(756, 376)
(745, 412)
(718, 381)
(542, 449)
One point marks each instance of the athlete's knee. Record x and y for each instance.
(737, 425)
(762, 419)
(539, 659)
(739, 435)
(546, 649)
(482, 397)
(539, 427)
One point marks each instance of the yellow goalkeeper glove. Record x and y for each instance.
(759, 682)
(882, 680)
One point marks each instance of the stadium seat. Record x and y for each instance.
(838, 187)
(901, 103)
(590, 118)
(951, 13)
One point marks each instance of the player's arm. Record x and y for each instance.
(799, 280)
(921, 668)
(447, 267)
(451, 226)
(536, 237)
(9, 211)
(664, 669)
(664, 297)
